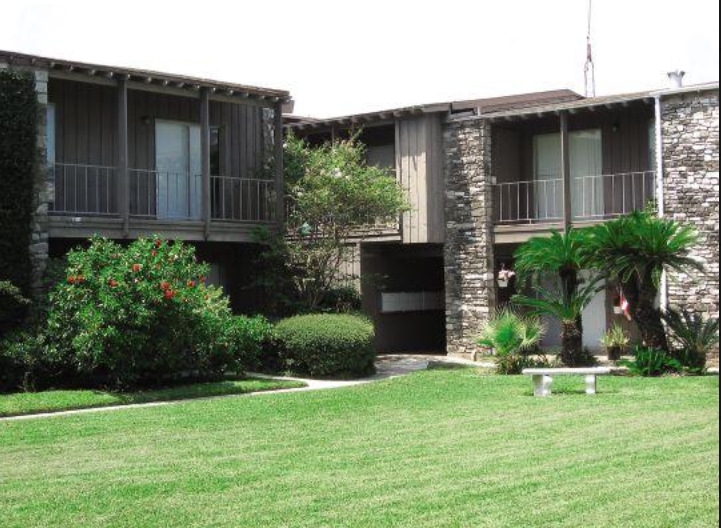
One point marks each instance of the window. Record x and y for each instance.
(412, 302)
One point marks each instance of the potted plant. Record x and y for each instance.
(505, 276)
(615, 341)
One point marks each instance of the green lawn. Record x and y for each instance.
(54, 401)
(439, 448)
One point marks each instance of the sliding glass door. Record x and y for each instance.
(178, 166)
(586, 164)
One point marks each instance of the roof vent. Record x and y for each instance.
(676, 78)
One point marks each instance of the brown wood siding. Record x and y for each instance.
(625, 133)
(86, 134)
(626, 148)
(420, 172)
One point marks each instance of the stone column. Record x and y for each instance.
(469, 260)
(44, 190)
(691, 188)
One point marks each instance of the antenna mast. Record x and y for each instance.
(590, 68)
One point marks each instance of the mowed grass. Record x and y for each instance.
(54, 401)
(435, 449)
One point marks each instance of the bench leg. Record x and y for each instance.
(542, 386)
(591, 385)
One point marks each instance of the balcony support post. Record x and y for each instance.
(278, 162)
(205, 158)
(566, 173)
(123, 187)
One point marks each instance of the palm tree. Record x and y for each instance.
(636, 250)
(511, 335)
(562, 254)
(567, 309)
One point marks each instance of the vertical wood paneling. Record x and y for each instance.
(86, 133)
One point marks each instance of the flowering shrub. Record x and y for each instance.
(140, 315)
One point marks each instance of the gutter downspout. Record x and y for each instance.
(660, 190)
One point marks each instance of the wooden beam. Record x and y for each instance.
(566, 172)
(278, 159)
(205, 158)
(122, 155)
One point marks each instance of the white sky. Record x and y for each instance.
(341, 57)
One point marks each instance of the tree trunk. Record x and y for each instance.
(572, 340)
(648, 317)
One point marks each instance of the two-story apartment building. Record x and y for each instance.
(132, 153)
(129, 153)
(485, 176)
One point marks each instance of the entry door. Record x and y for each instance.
(178, 165)
(594, 319)
(586, 157)
(548, 192)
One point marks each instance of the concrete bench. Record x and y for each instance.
(543, 378)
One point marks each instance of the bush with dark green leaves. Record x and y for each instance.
(18, 161)
(694, 337)
(254, 339)
(327, 345)
(13, 306)
(651, 362)
(342, 300)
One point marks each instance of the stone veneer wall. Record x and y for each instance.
(691, 169)
(39, 244)
(44, 190)
(469, 269)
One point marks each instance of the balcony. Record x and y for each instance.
(594, 198)
(87, 202)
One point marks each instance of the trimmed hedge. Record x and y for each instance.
(325, 346)
(18, 158)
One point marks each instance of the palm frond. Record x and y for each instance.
(558, 306)
(558, 253)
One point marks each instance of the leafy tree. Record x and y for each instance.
(636, 250)
(331, 194)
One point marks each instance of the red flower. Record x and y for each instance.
(80, 279)
(191, 284)
(155, 253)
(203, 279)
(165, 286)
(169, 294)
(137, 268)
(113, 283)
(158, 243)
(72, 279)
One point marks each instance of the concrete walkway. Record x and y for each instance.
(388, 367)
